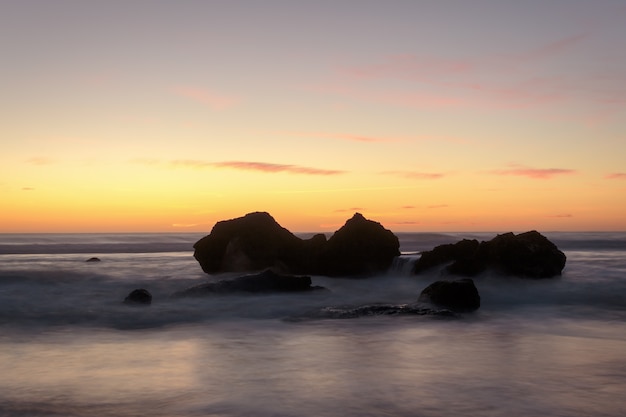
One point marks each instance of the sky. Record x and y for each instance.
(423, 115)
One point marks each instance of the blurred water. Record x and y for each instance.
(69, 347)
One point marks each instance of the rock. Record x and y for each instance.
(267, 281)
(139, 296)
(359, 247)
(250, 243)
(528, 254)
(94, 259)
(462, 250)
(369, 310)
(460, 295)
(256, 241)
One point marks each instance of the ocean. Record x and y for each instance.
(69, 346)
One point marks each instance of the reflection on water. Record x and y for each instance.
(367, 367)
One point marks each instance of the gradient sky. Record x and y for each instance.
(481, 115)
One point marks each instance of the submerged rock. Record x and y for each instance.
(265, 282)
(528, 254)
(460, 295)
(139, 296)
(370, 310)
(256, 241)
(94, 259)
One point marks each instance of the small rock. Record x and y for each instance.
(460, 295)
(139, 296)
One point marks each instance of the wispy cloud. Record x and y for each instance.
(535, 173)
(356, 138)
(265, 167)
(561, 216)
(28, 189)
(274, 168)
(365, 138)
(350, 210)
(256, 166)
(185, 225)
(506, 80)
(616, 176)
(211, 99)
(416, 175)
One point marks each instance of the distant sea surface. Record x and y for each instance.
(70, 347)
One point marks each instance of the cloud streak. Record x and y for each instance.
(534, 173)
(264, 167)
(508, 81)
(616, 176)
(416, 175)
(207, 98)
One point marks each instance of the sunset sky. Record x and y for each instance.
(146, 115)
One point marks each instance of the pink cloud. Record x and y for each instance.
(410, 67)
(349, 137)
(273, 168)
(208, 98)
(535, 173)
(350, 210)
(616, 176)
(416, 175)
(510, 80)
(550, 49)
(240, 165)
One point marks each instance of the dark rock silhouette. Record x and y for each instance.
(360, 247)
(460, 295)
(528, 254)
(267, 281)
(139, 296)
(94, 259)
(256, 242)
(250, 243)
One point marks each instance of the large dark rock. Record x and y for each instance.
(528, 254)
(139, 296)
(250, 243)
(256, 242)
(360, 247)
(460, 295)
(267, 281)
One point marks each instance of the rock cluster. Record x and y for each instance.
(528, 254)
(256, 242)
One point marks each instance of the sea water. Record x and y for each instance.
(70, 347)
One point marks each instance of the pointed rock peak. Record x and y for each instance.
(358, 216)
(259, 215)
